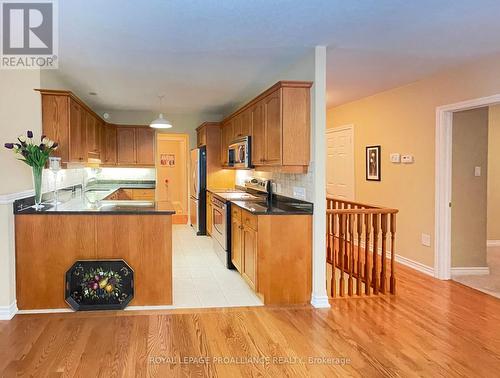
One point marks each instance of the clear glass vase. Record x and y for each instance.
(37, 183)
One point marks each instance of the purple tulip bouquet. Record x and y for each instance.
(36, 156)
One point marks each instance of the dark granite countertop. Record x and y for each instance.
(278, 206)
(73, 201)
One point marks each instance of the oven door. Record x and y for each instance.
(219, 228)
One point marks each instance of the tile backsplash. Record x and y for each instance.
(75, 176)
(285, 182)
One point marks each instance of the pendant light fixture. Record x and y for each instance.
(160, 122)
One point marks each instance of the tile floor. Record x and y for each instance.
(489, 284)
(199, 277)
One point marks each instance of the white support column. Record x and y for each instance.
(319, 296)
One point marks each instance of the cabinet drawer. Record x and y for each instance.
(235, 212)
(249, 220)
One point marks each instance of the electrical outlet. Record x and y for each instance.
(299, 192)
(426, 240)
(407, 159)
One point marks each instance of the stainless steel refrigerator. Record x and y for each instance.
(198, 189)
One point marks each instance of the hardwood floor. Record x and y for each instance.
(432, 328)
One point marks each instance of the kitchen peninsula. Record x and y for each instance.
(88, 226)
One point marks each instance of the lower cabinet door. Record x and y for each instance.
(236, 249)
(249, 244)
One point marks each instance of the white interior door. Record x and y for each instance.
(340, 162)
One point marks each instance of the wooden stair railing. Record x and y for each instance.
(357, 248)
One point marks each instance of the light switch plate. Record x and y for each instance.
(395, 158)
(477, 171)
(299, 192)
(426, 240)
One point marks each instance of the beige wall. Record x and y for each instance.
(20, 110)
(468, 212)
(494, 173)
(182, 123)
(404, 120)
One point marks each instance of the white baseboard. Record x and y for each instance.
(145, 308)
(493, 243)
(470, 271)
(62, 310)
(45, 311)
(414, 265)
(8, 312)
(320, 301)
(405, 261)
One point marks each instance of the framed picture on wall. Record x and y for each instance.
(373, 163)
(167, 160)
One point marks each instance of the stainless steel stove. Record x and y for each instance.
(255, 190)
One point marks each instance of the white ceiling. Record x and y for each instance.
(208, 55)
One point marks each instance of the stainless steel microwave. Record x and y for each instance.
(238, 153)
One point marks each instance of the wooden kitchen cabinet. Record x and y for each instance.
(209, 213)
(226, 139)
(278, 120)
(236, 237)
(273, 253)
(244, 244)
(246, 123)
(272, 129)
(258, 134)
(67, 120)
(78, 133)
(125, 145)
(82, 134)
(249, 248)
(201, 136)
(135, 146)
(93, 136)
(236, 122)
(124, 194)
(110, 140)
(143, 194)
(143, 241)
(144, 142)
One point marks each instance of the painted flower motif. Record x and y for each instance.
(10, 146)
(29, 134)
(22, 138)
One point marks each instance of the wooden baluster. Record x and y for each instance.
(368, 227)
(393, 254)
(333, 281)
(346, 248)
(359, 273)
(335, 237)
(341, 253)
(375, 253)
(328, 231)
(351, 255)
(383, 219)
